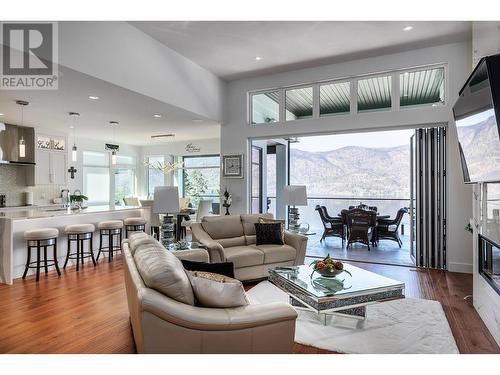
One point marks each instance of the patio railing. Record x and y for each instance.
(385, 206)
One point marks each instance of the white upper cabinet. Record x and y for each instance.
(51, 161)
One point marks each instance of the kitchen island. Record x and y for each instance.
(13, 223)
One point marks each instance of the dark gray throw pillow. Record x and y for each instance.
(268, 234)
(223, 268)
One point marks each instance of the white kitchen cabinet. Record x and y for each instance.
(51, 167)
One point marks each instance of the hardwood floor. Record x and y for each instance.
(86, 312)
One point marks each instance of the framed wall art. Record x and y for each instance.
(232, 166)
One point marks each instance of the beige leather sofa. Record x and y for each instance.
(162, 324)
(231, 238)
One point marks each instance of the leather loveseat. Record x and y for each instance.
(163, 324)
(232, 238)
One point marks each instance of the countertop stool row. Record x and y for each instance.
(110, 234)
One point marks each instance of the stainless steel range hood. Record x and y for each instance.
(10, 138)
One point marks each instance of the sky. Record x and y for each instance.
(476, 119)
(321, 143)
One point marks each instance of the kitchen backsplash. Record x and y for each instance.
(13, 183)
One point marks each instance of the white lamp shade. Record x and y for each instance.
(295, 195)
(166, 200)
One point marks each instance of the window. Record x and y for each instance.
(201, 178)
(155, 177)
(374, 94)
(265, 108)
(299, 103)
(334, 98)
(422, 87)
(256, 179)
(96, 179)
(124, 172)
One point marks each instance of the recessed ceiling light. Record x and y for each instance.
(92, 97)
(1, 114)
(156, 115)
(408, 28)
(258, 58)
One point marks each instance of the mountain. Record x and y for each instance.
(351, 172)
(481, 146)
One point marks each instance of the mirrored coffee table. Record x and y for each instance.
(344, 294)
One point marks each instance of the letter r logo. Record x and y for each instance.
(27, 48)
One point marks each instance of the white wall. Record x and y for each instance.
(119, 53)
(235, 131)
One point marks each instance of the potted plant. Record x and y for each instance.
(77, 199)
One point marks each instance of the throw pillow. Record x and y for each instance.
(265, 220)
(213, 290)
(268, 234)
(223, 268)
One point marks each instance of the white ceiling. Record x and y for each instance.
(49, 109)
(228, 49)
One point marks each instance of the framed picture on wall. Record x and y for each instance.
(232, 166)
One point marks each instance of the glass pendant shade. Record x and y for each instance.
(74, 153)
(113, 157)
(22, 148)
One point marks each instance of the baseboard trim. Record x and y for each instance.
(460, 267)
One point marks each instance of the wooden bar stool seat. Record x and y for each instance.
(112, 229)
(41, 239)
(80, 233)
(134, 224)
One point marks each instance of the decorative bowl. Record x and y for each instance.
(329, 273)
(328, 267)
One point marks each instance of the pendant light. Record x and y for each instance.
(114, 124)
(74, 149)
(22, 143)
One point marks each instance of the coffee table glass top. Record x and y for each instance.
(340, 286)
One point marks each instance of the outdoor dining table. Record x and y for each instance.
(379, 217)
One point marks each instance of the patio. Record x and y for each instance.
(387, 252)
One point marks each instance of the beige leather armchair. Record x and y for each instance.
(232, 238)
(163, 325)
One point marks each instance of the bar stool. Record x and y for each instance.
(111, 229)
(41, 238)
(79, 233)
(134, 224)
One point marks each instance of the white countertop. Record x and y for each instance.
(23, 213)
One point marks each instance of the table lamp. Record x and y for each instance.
(166, 201)
(294, 195)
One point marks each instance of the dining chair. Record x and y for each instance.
(361, 224)
(203, 210)
(154, 219)
(388, 229)
(332, 227)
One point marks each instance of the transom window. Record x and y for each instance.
(390, 91)
(334, 98)
(374, 94)
(299, 103)
(422, 87)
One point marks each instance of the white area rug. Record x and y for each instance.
(410, 326)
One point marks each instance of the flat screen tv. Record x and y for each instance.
(476, 112)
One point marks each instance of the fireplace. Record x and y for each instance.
(489, 262)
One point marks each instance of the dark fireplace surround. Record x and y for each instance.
(489, 262)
